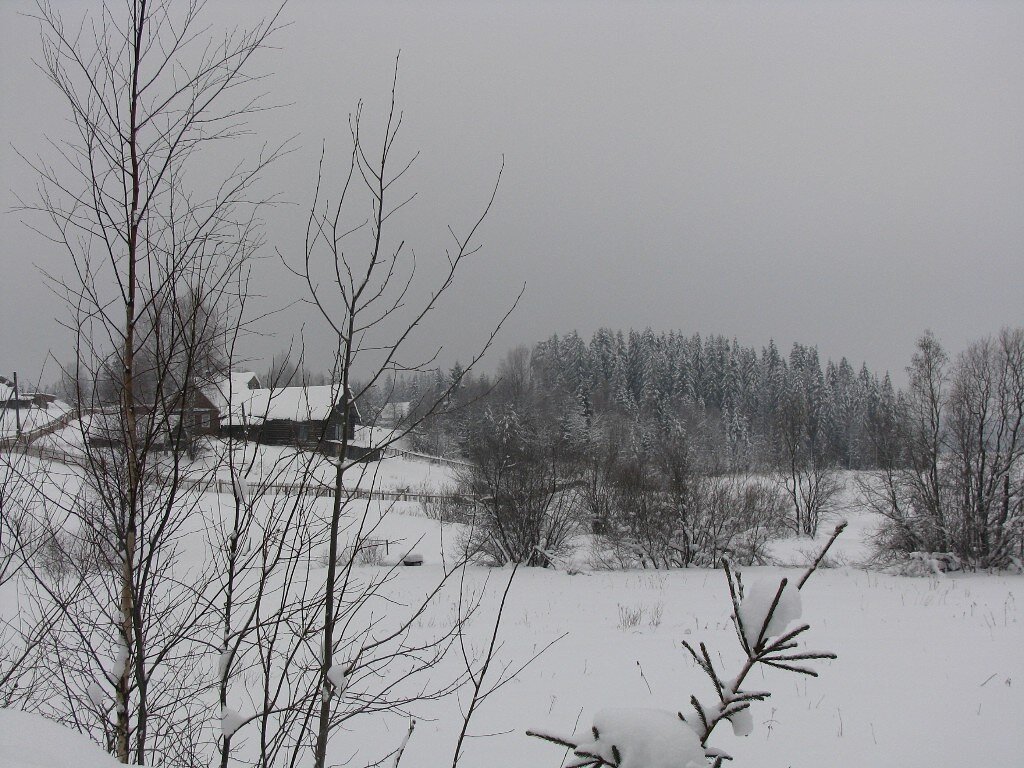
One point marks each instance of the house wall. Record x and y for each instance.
(205, 421)
(311, 435)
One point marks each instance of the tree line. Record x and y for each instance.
(679, 448)
(735, 396)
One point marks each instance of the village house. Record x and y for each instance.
(215, 398)
(306, 417)
(311, 418)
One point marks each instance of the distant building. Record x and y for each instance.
(305, 417)
(237, 405)
(24, 401)
(215, 399)
(394, 413)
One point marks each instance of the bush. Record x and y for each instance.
(527, 490)
(955, 481)
(524, 525)
(649, 527)
(741, 515)
(447, 506)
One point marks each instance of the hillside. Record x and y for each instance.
(929, 670)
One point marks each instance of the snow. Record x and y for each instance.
(121, 655)
(97, 695)
(221, 392)
(756, 604)
(336, 674)
(230, 721)
(31, 418)
(644, 738)
(284, 465)
(241, 487)
(742, 722)
(395, 411)
(32, 741)
(929, 673)
(373, 437)
(292, 403)
(223, 663)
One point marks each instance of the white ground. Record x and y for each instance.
(284, 465)
(930, 670)
(30, 418)
(31, 741)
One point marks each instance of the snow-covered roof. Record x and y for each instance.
(374, 437)
(237, 383)
(395, 411)
(7, 397)
(254, 406)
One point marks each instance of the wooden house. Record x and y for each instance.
(305, 417)
(9, 401)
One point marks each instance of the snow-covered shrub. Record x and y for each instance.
(922, 563)
(764, 616)
(952, 476)
(648, 526)
(528, 500)
(446, 505)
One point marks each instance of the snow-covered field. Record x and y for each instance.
(930, 669)
(30, 419)
(283, 465)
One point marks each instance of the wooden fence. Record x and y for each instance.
(314, 488)
(11, 441)
(23, 444)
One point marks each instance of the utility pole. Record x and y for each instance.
(17, 406)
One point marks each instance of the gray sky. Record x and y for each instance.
(843, 174)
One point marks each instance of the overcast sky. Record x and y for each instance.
(844, 174)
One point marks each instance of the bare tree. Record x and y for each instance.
(151, 255)
(363, 291)
(986, 456)
(804, 471)
(157, 294)
(924, 425)
(21, 542)
(955, 485)
(528, 488)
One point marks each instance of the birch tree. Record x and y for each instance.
(152, 245)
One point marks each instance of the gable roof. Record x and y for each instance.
(220, 391)
(254, 406)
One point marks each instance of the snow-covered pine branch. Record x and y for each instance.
(649, 738)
